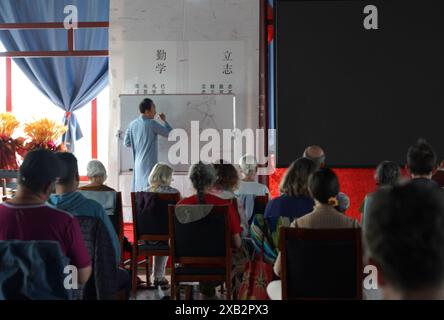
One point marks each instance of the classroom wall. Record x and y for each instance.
(180, 27)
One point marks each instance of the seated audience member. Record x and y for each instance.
(404, 239)
(96, 173)
(438, 177)
(97, 176)
(318, 156)
(295, 200)
(203, 177)
(160, 179)
(248, 187)
(324, 187)
(27, 217)
(388, 174)
(315, 154)
(68, 199)
(248, 184)
(226, 183)
(421, 162)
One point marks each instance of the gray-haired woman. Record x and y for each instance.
(203, 176)
(97, 176)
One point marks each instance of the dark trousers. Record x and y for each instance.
(123, 281)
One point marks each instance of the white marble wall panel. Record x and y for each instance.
(179, 21)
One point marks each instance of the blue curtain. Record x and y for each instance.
(69, 82)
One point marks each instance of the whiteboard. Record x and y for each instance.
(212, 111)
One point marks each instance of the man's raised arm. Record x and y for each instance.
(165, 130)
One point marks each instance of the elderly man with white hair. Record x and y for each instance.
(97, 175)
(317, 155)
(248, 186)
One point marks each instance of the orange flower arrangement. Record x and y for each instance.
(9, 146)
(44, 134)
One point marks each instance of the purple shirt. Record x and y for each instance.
(42, 222)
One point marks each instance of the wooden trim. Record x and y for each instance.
(134, 215)
(8, 85)
(94, 144)
(119, 212)
(171, 210)
(154, 237)
(55, 25)
(51, 25)
(263, 77)
(48, 54)
(135, 248)
(71, 43)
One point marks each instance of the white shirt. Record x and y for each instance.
(246, 193)
(252, 187)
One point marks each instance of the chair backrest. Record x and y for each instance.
(204, 241)
(102, 284)
(106, 198)
(321, 264)
(111, 201)
(32, 270)
(150, 214)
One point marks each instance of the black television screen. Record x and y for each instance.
(364, 95)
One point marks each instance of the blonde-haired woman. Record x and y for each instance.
(160, 179)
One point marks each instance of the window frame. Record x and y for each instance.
(71, 52)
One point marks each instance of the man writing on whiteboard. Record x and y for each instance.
(141, 136)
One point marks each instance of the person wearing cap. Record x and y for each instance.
(27, 217)
(141, 136)
(97, 175)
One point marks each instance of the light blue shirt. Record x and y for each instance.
(141, 136)
(79, 206)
